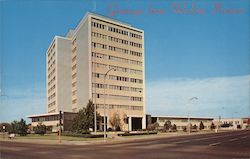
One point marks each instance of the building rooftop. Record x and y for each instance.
(183, 117)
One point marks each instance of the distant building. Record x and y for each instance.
(181, 122)
(233, 123)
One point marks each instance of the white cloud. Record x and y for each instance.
(226, 96)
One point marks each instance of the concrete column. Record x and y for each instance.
(129, 123)
(143, 122)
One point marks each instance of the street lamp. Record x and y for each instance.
(189, 124)
(104, 108)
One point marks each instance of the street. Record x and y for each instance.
(223, 145)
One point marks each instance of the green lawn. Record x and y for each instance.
(55, 137)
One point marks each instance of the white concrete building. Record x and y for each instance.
(77, 63)
(181, 122)
(232, 123)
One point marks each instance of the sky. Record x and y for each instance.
(192, 49)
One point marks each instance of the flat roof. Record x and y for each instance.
(46, 114)
(183, 117)
(40, 115)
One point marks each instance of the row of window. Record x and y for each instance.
(134, 53)
(98, 65)
(51, 49)
(52, 104)
(98, 35)
(116, 49)
(119, 78)
(115, 87)
(52, 88)
(97, 25)
(98, 45)
(112, 106)
(52, 96)
(115, 58)
(47, 118)
(51, 58)
(117, 97)
(51, 65)
(116, 30)
(52, 73)
(135, 44)
(51, 81)
(119, 41)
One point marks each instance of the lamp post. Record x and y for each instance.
(3, 131)
(189, 124)
(104, 108)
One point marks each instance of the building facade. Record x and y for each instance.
(181, 122)
(77, 64)
(51, 120)
(232, 123)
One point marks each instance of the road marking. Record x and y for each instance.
(214, 144)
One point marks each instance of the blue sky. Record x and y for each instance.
(187, 54)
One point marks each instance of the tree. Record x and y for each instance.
(85, 119)
(40, 129)
(201, 127)
(167, 125)
(115, 122)
(194, 127)
(19, 127)
(184, 128)
(212, 126)
(7, 127)
(174, 128)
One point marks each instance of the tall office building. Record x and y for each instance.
(77, 64)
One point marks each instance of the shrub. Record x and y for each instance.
(167, 125)
(174, 128)
(137, 133)
(153, 127)
(212, 126)
(82, 135)
(201, 127)
(40, 129)
(115, 122)
(184, 129)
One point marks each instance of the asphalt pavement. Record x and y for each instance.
(223, 145)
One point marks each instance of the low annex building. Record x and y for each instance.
(181, 122)
(51, 120)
